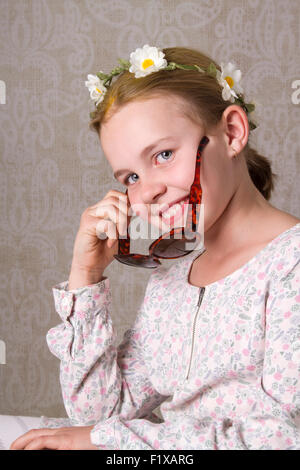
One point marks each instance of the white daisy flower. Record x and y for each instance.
(229, 79)
(96, 88)
(146, 60)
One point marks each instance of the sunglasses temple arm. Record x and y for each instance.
(194, 200)
(124, 243)
(195, 193)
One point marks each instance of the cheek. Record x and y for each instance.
(213, 176)
(184, 176)
(217, 190)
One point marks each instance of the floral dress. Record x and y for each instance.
(222, 360)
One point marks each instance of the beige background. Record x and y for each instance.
(52, 166)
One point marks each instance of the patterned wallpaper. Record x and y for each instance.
(52, 166)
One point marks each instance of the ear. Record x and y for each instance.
(236, 128)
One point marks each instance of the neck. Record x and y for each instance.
(240, 223)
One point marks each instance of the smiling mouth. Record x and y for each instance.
(170, 210)
(176, 214)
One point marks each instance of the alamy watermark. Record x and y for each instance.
(152, 226)
(296, 94)
(2, 92)
(2, 352)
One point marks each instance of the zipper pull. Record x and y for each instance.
(201, 294)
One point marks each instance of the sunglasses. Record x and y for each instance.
(180, 241)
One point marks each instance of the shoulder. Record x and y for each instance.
(284, 253)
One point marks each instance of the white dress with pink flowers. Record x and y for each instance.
(223, 360)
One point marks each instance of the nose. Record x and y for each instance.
(151, 191)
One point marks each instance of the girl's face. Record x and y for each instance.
(151, 146)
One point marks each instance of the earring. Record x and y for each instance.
(235, 154)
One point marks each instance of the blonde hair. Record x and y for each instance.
(202, 94)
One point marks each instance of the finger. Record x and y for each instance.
(102, 229)
(119, 219)
(106, 229)
(108, 212)
(46, 442)
(117, 194)
(121, 201)
(115, 206)
(23, 440)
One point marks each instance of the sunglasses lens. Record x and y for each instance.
(142, 261)
(174, 248)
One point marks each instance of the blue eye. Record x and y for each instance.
(165, 158)
(129, 176)
(165, 152)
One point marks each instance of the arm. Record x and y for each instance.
(98, 379)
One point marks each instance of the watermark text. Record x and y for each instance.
(2, 92)
(296, 94)
(2, 352)
(185, 219)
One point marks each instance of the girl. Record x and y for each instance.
(216, 339)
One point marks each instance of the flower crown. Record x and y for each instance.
(146, 60)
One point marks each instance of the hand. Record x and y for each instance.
(69, 438)
(96, 242)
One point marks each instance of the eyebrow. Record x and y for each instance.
(143, 154)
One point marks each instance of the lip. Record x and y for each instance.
(167, 206)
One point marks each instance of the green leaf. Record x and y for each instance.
(190, 67)
(240, 101)
(170, 66)
(106, 82)
(250, 107)
(199, 68)
(116, 70)
(124, 63)
(212, 70)
(102, 76)
(252, 125)
(184, 67)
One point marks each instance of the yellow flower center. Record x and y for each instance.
(230, 81)
(99, 91)
(147, 63)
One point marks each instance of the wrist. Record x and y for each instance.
(80, 277)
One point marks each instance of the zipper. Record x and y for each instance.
(201, 295)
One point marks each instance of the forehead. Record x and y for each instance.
(144, 120)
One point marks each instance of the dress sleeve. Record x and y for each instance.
(99, 379)
(273, 422)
